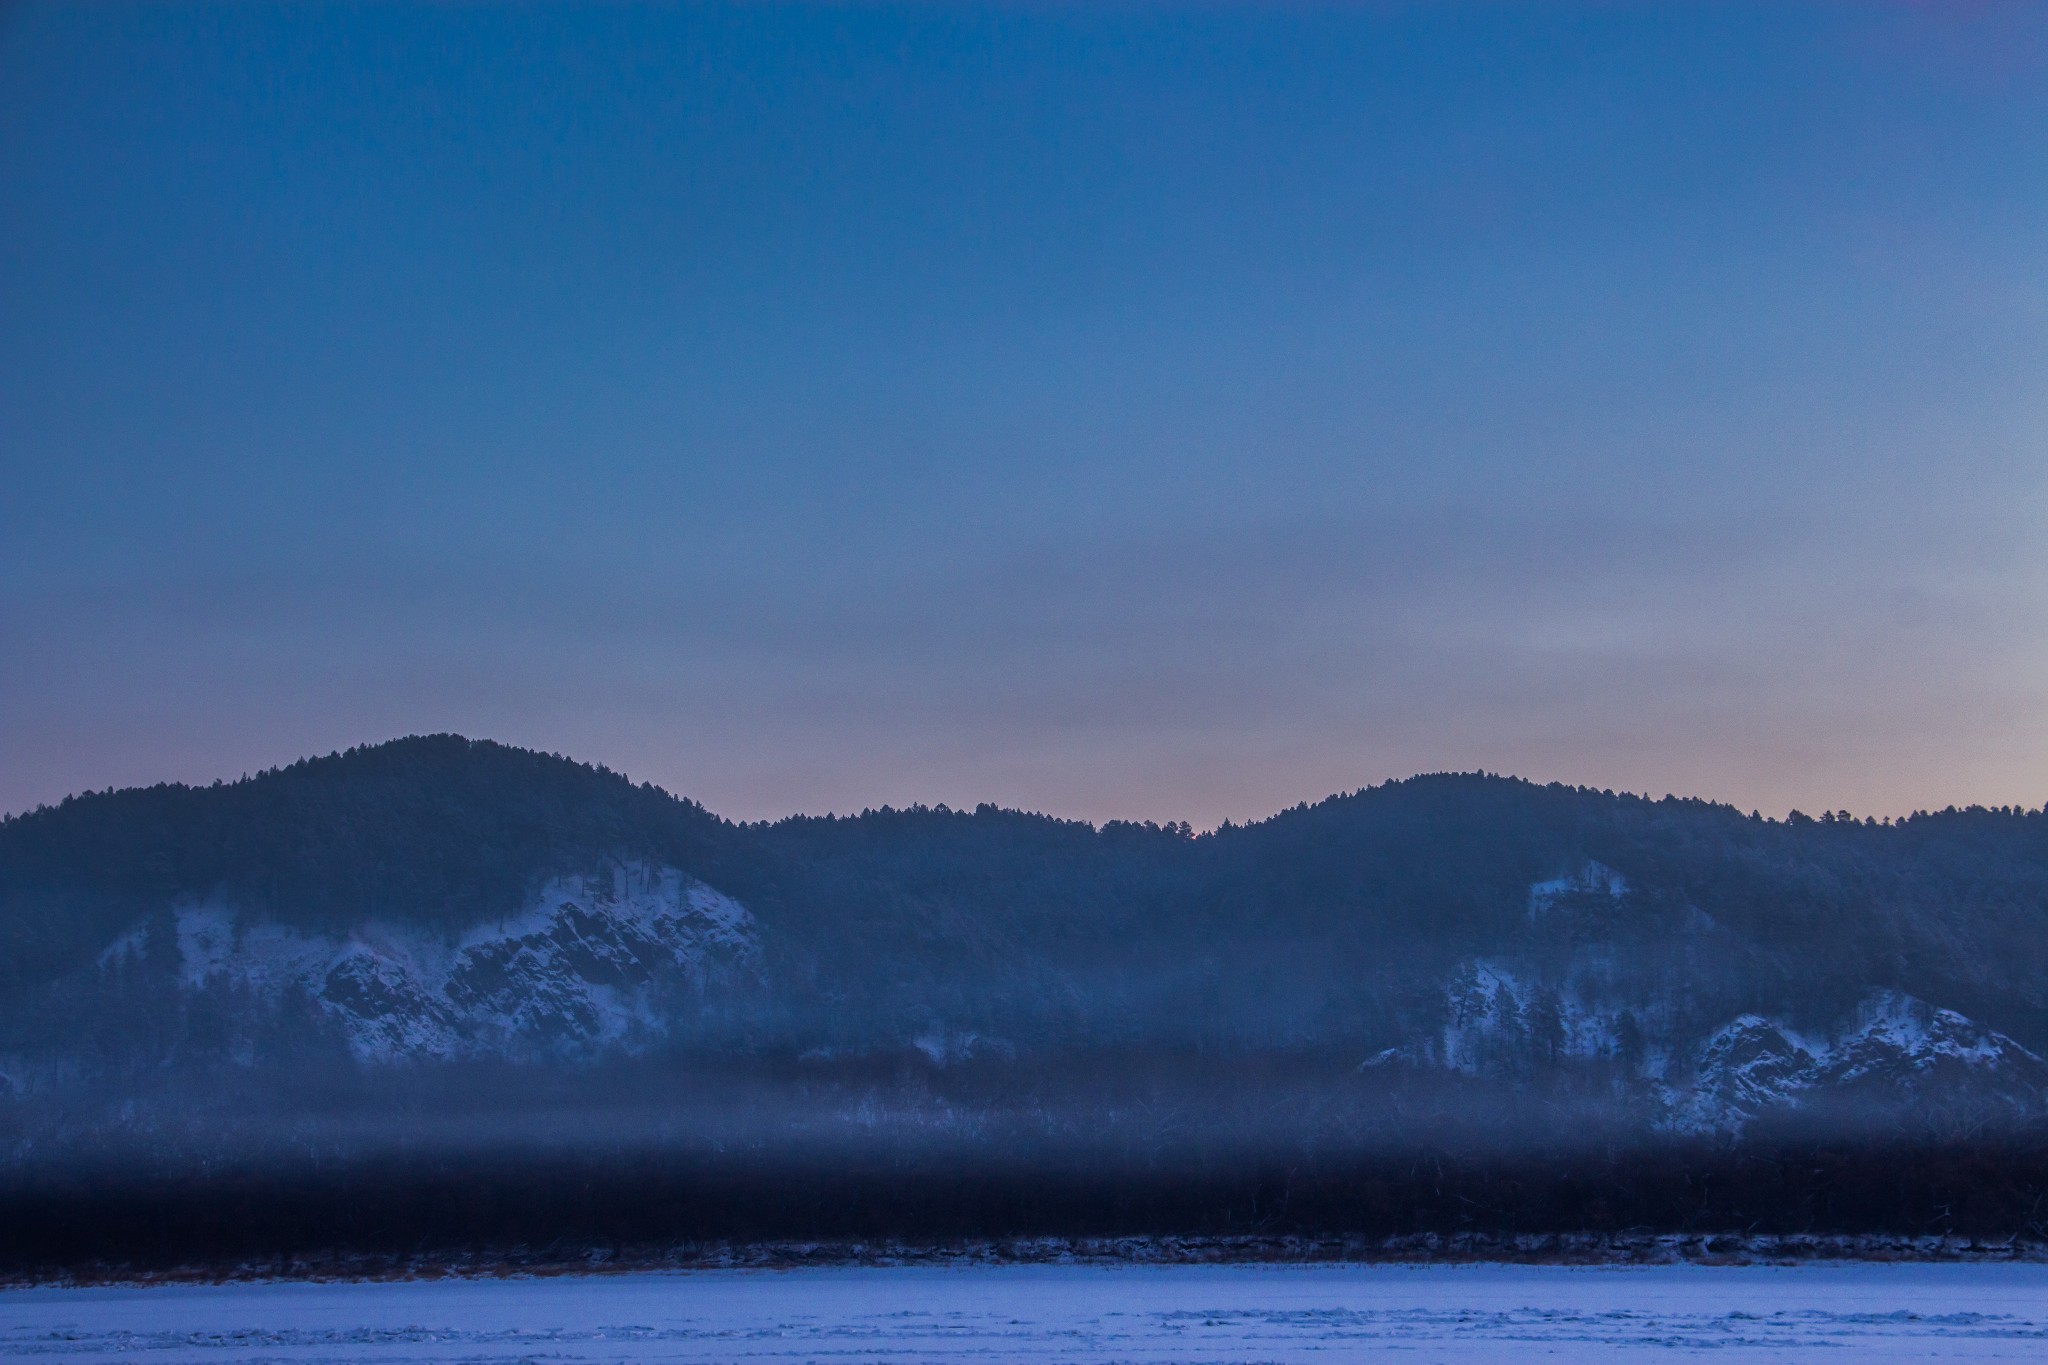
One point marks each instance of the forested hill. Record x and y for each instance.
(438, 899)
(436, 830)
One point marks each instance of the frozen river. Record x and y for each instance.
(1063, 1313)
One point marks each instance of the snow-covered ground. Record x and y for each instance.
(1067, 1313)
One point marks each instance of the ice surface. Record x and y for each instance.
(1884, 1312)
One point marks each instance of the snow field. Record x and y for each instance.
(1093, 1313)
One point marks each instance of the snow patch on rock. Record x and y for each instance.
(606, 960)
(128, 947)
(1593, 879)
(206, 940)
(1511, 1020)
(1496, 1019)
(1899, 1046)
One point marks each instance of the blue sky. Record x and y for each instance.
(1157, 411)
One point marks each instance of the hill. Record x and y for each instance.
(451, 946)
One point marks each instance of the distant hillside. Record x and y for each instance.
(439, 831)
(1672, 965)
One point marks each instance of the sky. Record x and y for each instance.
(1157, 411)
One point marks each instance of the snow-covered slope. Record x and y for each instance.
(1636, 1027)
(1894, 1050)
(613, 960)
(1590, 995)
